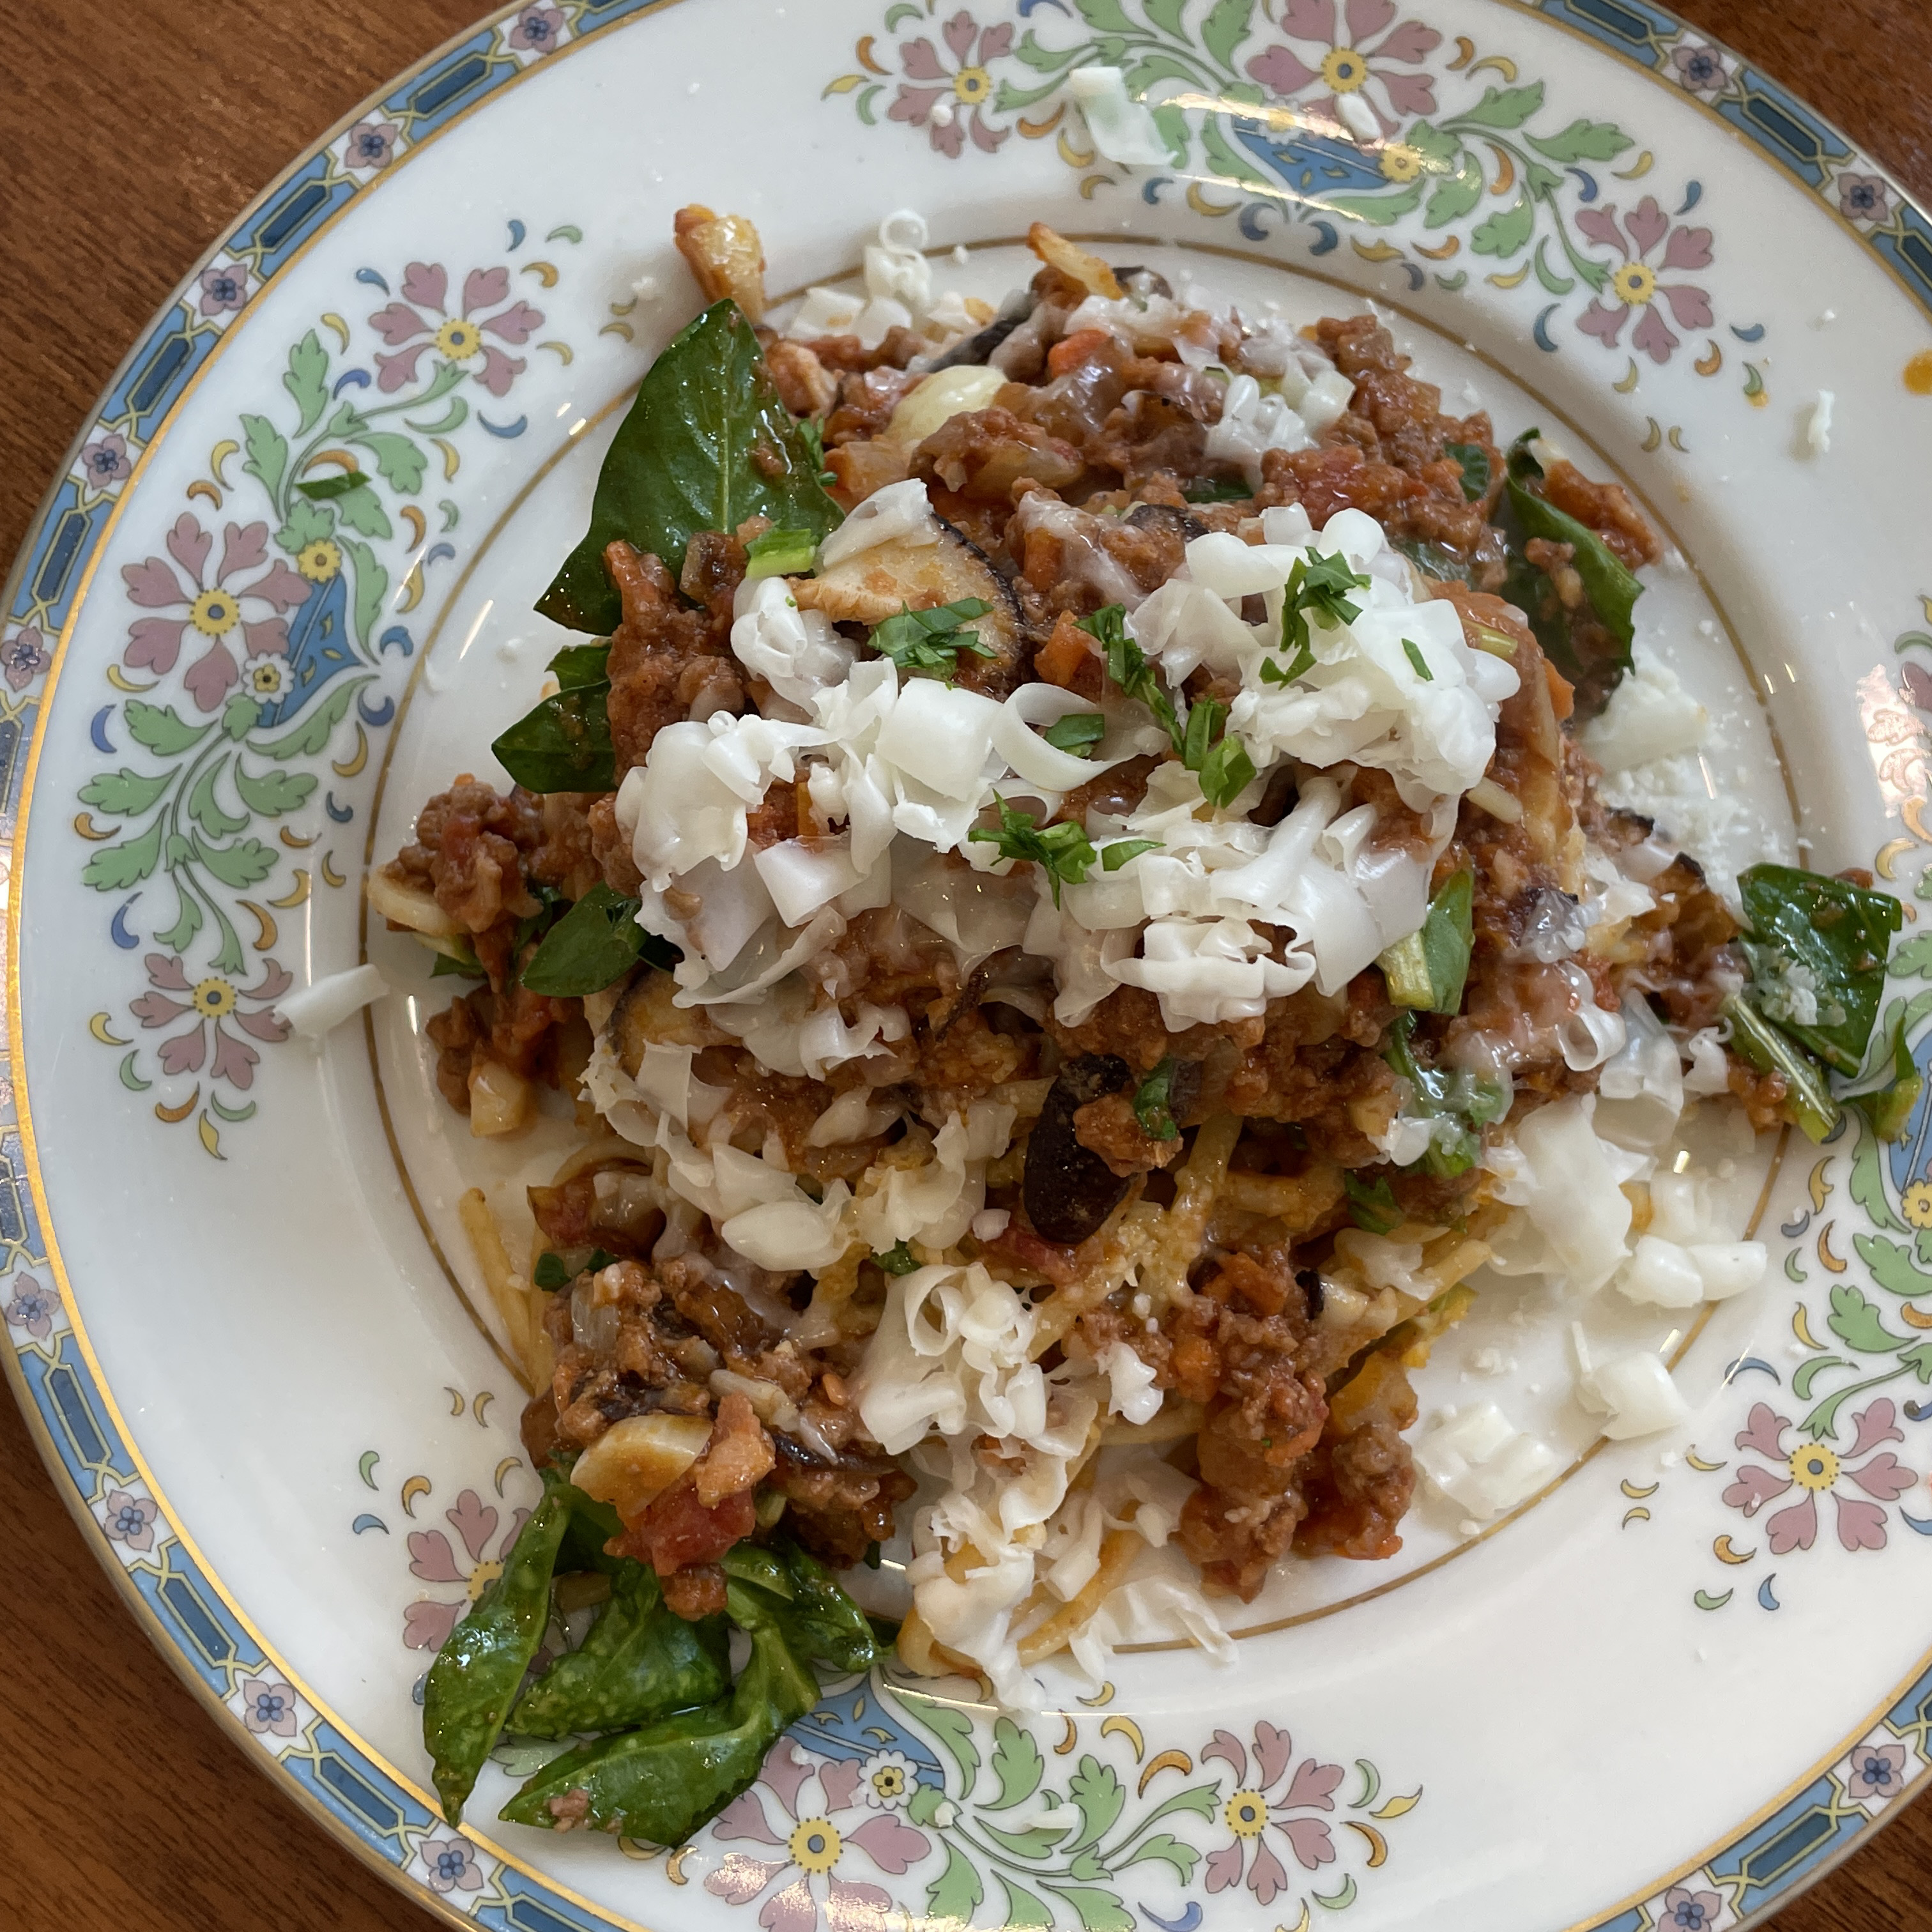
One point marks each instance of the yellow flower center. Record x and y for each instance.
(1344, 69)
(318, 561)
(1400, 163)
(1917, 1203)
(265, 680)
(482, 1577)
(1814, 1467)
(214, 612)
(815, 1845)
(888, 1781)
(972, 84)
(457, 340)
(1633, 284)
(1247, 1813)
(213, 999)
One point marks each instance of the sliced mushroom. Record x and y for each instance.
(881, 582)
(1067, 1190)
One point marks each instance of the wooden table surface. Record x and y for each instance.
(133, 133)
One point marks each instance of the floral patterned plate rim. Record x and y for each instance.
(438, 301)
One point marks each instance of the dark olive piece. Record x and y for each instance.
(1068, 1190)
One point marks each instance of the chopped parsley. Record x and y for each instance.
(1078, 732)
(1152, 1101)
(1063, 851)
(897, 1259)
(1220, 762)
(932, 639)
(554, 1270)
(1318, 586)
(1372, 1204)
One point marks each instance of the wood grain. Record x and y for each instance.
(133, 131)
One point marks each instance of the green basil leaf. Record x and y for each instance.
(1817, 947)
(640, 1661)
(707, 443)
(1078, 732)
(468, 1693)
(594, 944)
(1217, 490)
(1475, 461)
(1608, 581)
(1807, 1095)
(563, 744)
(577, 666)
(661, 1782)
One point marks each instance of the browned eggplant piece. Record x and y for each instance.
(978, 349)
(1067, 1190)
(880, 583)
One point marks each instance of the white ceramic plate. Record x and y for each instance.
(239, 1313)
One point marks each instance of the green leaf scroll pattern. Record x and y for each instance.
(257, 654)
(1306, 124)
(955, 1815)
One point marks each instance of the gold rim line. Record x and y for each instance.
(169, 1647)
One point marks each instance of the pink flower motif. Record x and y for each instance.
(105, 462)
(451, 1865)
(1271, 1797)
(24, 656)
(268, 1707)
(457, 339)
(1815, 1471)
(209, 1002)
(223, 289)
(427, 1623)
(955, 99)
(1352, 58)
(33, 1307)
(371, 144)
(1868, 200)
(538, 30)
(824, 1822)
(1637, 286)
(1699, 70)
(1876, 1771)
(1688, 1911)
(244, 581)
(130, 1520)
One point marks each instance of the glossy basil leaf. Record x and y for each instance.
(707, 443)
(1807, 1094)
(471, 1685)
(1818, 947)
(661, 1782)
(1612, 588)
(641, 1662)
(593, 945)
(1474, 460)
(564, 743)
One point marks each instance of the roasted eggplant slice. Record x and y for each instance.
(979, 348)
(880, 583)
(1067, 1190)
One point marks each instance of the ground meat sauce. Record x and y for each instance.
(1077, 477)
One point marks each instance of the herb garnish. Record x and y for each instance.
(780, 553)
(564, 743)
(1152, 1103)
(1372, 1204)
(1456, 1103)
(1428, 968)
(1413, 652)
(1063, 851)
(1318, 586)
(554, 1270)
(932, 639)
(593, 945)
(1078, 732)
(897, 1259)
(1220, 760)
(1474, 462)
(320, 489)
